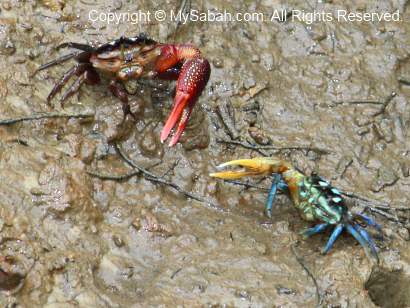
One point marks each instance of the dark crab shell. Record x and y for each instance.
(126, 42)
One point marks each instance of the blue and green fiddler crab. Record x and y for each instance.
(314, 197)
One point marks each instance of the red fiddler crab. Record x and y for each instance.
(127, 59)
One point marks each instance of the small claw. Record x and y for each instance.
(251, 167)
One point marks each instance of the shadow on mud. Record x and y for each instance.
(389, 289)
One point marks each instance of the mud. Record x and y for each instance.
(69, 239)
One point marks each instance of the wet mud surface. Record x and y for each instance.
(338, 92)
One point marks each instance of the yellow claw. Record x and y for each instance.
(251, 167)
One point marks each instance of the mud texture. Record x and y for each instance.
(70, 239)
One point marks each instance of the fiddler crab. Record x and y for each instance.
(128, 59)
(314, 197)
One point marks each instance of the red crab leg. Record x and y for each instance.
(191, 82)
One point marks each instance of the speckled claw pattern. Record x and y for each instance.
(314, 197)
(191, 82)
(133, 58)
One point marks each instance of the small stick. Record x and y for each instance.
(171, 168)
(184, 8)
(359, 102)
(397, 208)
(19, 141)
(144, 171)
(227, 117)
(50, 115)
(247, 185)
(383, 103)
(242, 144)
(120, 177)
(386, 103)
(272, 147)
(404, 81)
(302, 263)
(356, 196)
(175, 273)
(149, 176)
(380, 208)
(393, 208)
(384, 214)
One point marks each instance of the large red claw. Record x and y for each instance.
(191, 82)
(182, 110)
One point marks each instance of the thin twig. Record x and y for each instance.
(149, 176)
(184, 8)
(144, 171)
(50, 115)
(359, 197)
(386, 103)
(392, 208)
(384, 214)
(154, 178)
(404, 81)
(244, 145)
(175, 273)
(275, 148)
(359, 102)
(301, 261)
(379, 208)
(18, 141)
(120, 177)
(173, 166)
(247, 185)
(227, 116)
(397, 208)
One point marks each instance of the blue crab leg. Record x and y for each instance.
(335, 234)
(277, 184)
(314, 230)
(372, 223)
(365, 244)
(368, 239)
